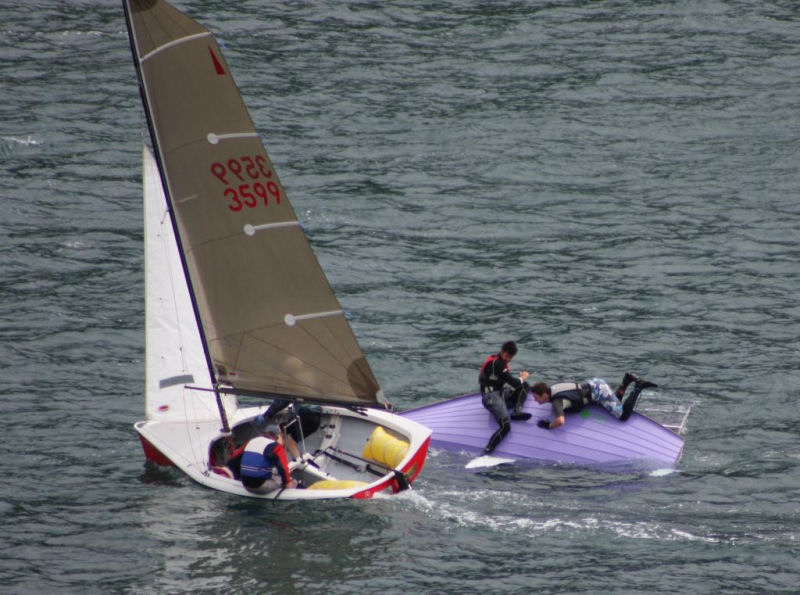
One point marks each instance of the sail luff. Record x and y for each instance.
(269, 319)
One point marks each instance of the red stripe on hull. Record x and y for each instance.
(154, 455)
(412, 469)
(415, 464)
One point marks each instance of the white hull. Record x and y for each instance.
(333, 454)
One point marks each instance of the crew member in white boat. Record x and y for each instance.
(264, 466)
(295, 422)
(501, 390)
(571, 397)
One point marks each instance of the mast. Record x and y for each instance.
(157, 153)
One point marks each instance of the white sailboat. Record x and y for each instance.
(236, 302)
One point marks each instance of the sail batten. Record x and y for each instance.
(247, 286)
(292, 319)
(175, 42)
(250, 229)
(214, 138)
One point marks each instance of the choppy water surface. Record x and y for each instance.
(612, 184)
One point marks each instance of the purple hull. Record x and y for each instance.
(590, 437)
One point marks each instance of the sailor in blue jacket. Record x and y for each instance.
(264, 466)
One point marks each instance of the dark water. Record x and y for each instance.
(613, 184)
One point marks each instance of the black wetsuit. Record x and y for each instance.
(500, 392)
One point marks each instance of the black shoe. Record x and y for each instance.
(520, 416)
(628, 378)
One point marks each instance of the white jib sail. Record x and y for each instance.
(174, 352)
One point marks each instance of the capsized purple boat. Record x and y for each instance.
(590, 437)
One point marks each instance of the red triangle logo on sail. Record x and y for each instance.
(217, 65)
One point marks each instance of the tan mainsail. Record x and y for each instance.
(270, 319)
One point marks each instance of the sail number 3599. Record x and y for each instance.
(257, 187)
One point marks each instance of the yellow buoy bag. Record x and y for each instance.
(385, 449)
(336, 484)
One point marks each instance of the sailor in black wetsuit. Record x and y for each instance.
(501, 391)
(570, 397)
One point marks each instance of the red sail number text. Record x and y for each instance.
(248, 182)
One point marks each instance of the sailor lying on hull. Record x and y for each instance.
(570, 397)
